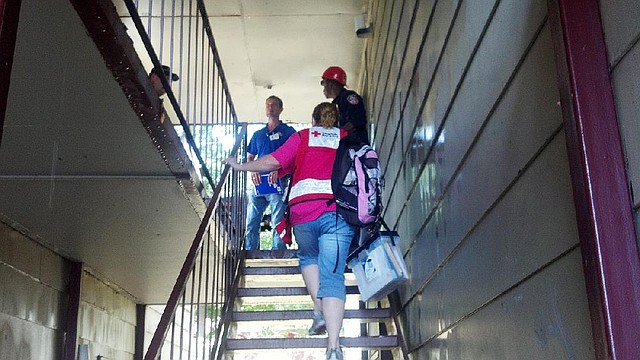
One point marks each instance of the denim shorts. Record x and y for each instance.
(325, 241)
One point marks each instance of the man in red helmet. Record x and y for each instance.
(353, 116)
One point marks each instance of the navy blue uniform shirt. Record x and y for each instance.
(351, 108)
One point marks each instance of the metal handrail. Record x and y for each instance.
(195, 320)
(131, 6)
(233, 253)
(192, 94)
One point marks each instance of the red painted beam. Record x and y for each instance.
(604, 211)
(73, 310)
(9, 16)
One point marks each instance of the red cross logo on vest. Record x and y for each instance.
(316, 133)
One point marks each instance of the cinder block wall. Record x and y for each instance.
(107, 319)
(33, 298)
(464, 102)
(622, 32)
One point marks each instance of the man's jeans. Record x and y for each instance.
(255, 210)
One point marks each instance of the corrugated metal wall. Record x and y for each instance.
(622, 34)
(465, 102)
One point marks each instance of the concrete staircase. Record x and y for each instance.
(273, 313)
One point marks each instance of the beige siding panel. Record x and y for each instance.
(622, 34)
(380, 89)
(621, 26)
(491, 211)
(626, 89)
(388, 125)
(520, 235)
(540, 319)
(395, 65)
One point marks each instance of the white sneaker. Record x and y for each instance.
(318, 327)
(334, 354)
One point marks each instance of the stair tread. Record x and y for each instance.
(271, 270)
(276, 291)
(276, 270)
(270, 254)
(367, 342)
(364, 314)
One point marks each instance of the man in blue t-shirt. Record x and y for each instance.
(268, 187)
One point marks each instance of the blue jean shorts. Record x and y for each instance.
(325, 241)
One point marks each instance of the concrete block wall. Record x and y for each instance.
(622, 33)
(34, 302)
(33, 298)
(107, 319)
(464, 102)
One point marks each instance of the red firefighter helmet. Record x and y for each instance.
(335, 73)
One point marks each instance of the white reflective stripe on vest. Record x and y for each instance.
(310, 186)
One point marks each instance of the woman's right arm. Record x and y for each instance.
(262, 164)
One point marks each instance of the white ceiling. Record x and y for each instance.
(275, 47)
(79, 172)
(281, 47)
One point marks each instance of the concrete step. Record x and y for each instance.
(361, 314)
(270, 254)
(271, 270)
(365, 342)
(276, 270)
(289, 291)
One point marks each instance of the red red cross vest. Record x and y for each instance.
(314, 164)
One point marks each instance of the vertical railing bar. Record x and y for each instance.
(161, 31)
(209, 75)
(179, 287)
(181, 333)
(199, 302)
(173, 33)
(181, 52)
(218, 294)
(216, 290)
(204, 68)
(222, 294)
(172, 98)
(207, 104)
(214, 49)
(212, 100)
(206, 292)
(202, 119)
(173, 336)
(219, 289)
(193, 283)
(188, 85)
(149, 18)
(196, 117)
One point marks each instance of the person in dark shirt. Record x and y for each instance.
(353, 116)
(156, 82)
(268, 192)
